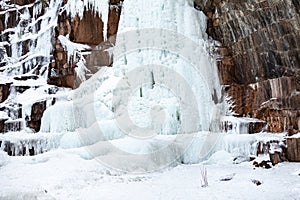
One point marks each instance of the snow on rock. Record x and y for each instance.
(155, 100)
(71, 47)
(294, 136)
(74, 51)
(227, 177)
(239, 145)
(34, 31)
(5, 79)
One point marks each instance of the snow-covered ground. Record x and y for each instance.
(65, 174)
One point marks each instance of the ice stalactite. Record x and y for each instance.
(101, 8)
(25, 144)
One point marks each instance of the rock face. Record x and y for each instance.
(259, 61)
(86, 30)
(4, 91)
(37, 111)
(23, 2)
(293, 149)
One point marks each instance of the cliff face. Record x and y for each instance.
(88, 29)
(260, 57)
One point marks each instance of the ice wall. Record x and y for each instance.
(174, 85)
(155, 106)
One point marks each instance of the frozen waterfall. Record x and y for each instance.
(162, 46)
(159, 105)
(155, 106)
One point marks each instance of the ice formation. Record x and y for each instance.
(155, 106)
(160, 104)
(25, 144)
(202, 80)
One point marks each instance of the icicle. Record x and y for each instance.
(6, 20)
(37, 8)
(101, 8)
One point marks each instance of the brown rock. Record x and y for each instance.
(262, 68)
(293, 149)
(89, 29)
(23, 2)
(4, 91)
(60, 56)
(37, 111)
(263, 164)
(256, 182)
(275, 158)
(113, 19)
(256, 127)
(2, 123)
(216, 22)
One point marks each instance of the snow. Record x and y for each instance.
(5, 79)
(3, 115)
(59, 118)
(295, 136)
(220, 157)
(4, 158)
(62, 174)
(71, 47)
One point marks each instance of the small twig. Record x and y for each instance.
(204, 181)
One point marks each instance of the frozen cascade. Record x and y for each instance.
(99, 90)
(88, 117)
(174, 83)
(92, 113)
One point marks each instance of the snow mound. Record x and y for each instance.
(4, 158)
(220, 157)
